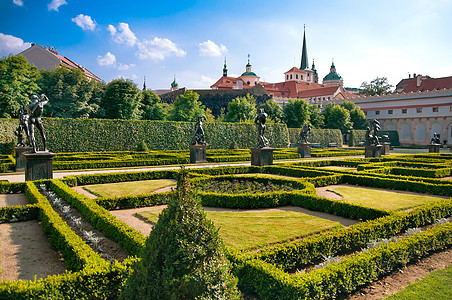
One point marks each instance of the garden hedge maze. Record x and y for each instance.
(326, 265)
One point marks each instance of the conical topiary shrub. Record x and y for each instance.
(183, 257)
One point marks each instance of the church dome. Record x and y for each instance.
(249, 74)
(332, 76)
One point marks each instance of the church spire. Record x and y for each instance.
(225, 69)
(304, 52)
(144, 83)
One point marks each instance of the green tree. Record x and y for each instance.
(315, 116)
(18, 81)
(296, 113)
(121, 100)
(273, 110)
(70, 93)
(183, 256)
(337, 117)
(378, 86)
(188, 108)
(151, 108)
(241, 109)
(357, 116)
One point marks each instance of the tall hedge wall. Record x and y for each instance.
(87, 135)
(357, 136)
(322, 136)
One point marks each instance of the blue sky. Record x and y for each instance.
(190, 39)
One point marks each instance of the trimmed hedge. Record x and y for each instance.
(322, 136)
(129, 238)
(89, 135)
(356, 137)
(18, 213)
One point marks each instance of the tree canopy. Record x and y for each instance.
(241, 109)
(378, 86)
(273, 110)
(151, 107)
(188, 108)
(296, 113)
(121, 100)
(337, 117)
(18, 81)
(357, 116)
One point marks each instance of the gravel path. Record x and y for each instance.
(13, 199)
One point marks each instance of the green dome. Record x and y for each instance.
(249, 74)
(174, 84)
(332, 76)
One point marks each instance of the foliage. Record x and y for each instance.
(17, 83)
(322, 136)
(121, 100)
(273, 110)
(378, 86)
(315, 116)
(296, 113)
(357, 116)
(337, 117)
(70, 93)
(188, 108)
(183, 257)
(241, 109)
(151, 107)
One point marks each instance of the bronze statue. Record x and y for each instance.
(260, 120)
(436, 139)
(35, 109)
(23, 127)
(371, 133)
(304, 133)
(198, 137)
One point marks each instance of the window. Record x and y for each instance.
(287, 77)
(390, 112)
(419, 110)
(435, 109)
(377, 112)
(296, 76)
(404, 110)
(290, 76)
(365, 112)
(302, 79)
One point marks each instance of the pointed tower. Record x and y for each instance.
(144, 83)
(174, 85)
(304, 53)
(315, 75)
(333, 79)
(225, 69)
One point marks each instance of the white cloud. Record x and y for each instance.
(209, 48)
(158, 49)
(123, 67)
(11, 45)
(55, 4)
(203, 82)
(122, 34)
(107, 60)
(84, 22)
(18, 2)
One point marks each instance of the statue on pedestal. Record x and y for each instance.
(198, 137)
(23, 127)
(436, 139)
(304, 133)
(260, 120)
(35, 109)
(371, 133)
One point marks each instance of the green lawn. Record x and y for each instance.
(436, 286)
(381, 199)
(128, 188)
(247, 230)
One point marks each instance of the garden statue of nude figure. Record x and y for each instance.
(198, 137)
(35, 109)
(260, 120)
(23, 127)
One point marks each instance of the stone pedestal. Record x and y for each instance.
(433, 148)
(20, 159)
(304, 149)
(372, 151)
(38, 165)
(385, 148)
(198, 154)
(262, 156)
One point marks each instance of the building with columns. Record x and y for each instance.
(417, 111)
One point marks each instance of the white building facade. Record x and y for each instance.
(415, 116)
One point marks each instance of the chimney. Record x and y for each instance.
(418, 80)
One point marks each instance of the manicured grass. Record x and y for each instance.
(381, 199)
(264, 175)
(436, 286)
(247, 230)
(128, 188)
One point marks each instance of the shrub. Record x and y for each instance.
(183, 256)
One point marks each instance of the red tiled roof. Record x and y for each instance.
(296, 70)
(66, 62)
(228, 83)
(409, 85)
